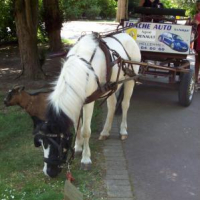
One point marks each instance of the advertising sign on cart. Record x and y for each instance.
(158, 37)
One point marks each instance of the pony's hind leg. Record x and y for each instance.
(86, 132)
(128, 90)
(111, 104)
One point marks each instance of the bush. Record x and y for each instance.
(7, 24)
(108, 8)
(71, 9)
(93, 12)
(76, 9)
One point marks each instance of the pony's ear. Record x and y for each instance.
(37, 140)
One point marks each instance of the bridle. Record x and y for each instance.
(64, 148)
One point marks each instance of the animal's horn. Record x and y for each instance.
(18, 87)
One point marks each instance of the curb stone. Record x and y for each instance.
(117, 180)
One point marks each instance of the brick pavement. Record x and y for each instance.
(117, 179)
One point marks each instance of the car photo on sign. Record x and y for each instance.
(174, 41)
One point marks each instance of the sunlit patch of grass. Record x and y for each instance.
(21, 175)
(68, 41)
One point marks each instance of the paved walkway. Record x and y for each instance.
(162, 150)
(163, 147)
(74, 29)
(117, 178)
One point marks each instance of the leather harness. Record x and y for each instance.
(112, 58)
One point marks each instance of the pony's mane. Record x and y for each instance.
(61, 122)
(70, 89)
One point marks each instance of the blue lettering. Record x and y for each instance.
(131, 24)
(162, 27)
(143, 26)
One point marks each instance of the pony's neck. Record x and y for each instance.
(59, 120)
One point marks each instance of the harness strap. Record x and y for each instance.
(108, 87)
(92, 69)
(121, 45)
(93, 55)
(104, 47)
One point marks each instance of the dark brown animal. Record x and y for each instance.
(34, 104)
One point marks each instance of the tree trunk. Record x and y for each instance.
(118, 11)
(122, 10)
(26, 19)
(53, 23)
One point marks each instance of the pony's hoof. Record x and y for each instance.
(78, 153)
(103, 137)
(86, 167)
(124, 137)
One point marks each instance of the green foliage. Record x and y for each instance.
(169, 4)
(7, 24)
(76, 9)
(41, 34)
(188, 5)
(108, 8)
(132, 4)
(92, 12)
(71, 9)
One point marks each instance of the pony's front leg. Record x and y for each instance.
(128, 90)
(79, 139)
(111, 104)
(86, 132)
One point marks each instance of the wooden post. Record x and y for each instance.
(71, 192)
(122, 10)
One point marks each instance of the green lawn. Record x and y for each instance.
(21, 164)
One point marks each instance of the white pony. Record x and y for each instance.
(78, 79)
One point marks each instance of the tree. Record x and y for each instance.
(26, 19)
(53, 23)
(188, 5)
(122, 10)
(7, 24)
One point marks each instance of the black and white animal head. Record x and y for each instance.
(56, 142)
(13, 96)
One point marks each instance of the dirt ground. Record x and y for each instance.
(11, 69)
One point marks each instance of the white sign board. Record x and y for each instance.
(157, 37)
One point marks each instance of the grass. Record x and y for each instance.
(68, 41)
(21, 175)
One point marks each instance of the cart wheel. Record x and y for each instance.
(186, 88)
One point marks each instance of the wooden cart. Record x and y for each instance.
(164, 59)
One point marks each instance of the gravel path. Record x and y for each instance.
(73, 30)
